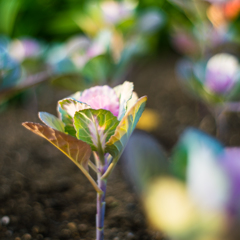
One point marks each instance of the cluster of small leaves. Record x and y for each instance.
(192, 76)
(105, 53)
(79, 126)
(207, 27)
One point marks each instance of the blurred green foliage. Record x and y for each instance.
(48, 19)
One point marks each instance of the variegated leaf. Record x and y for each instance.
(67, 108)
(67, 121)
(51, 121)
(76, 95)
(118, 141)
(95, 127)
(78, 151)
(124, 93)
(132, 101)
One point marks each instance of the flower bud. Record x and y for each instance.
(221, 73)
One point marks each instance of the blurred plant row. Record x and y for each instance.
(195, 194)
(209, 69)
(109, 35)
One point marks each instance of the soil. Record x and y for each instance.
(43, 195)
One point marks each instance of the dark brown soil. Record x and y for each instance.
(43, 195)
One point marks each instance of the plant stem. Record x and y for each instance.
(110, 168)
(85, 172)
(92, 166)
(102, 184)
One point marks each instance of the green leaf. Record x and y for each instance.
(192, 141)
(67, 121)
(61, 23)
(73, 82)
(124, 93)
(118, 141)
(67, 108)
(234, 94)
(51, 121)
(98, 70)
(95, 127)
(8, 15)
(78, 151)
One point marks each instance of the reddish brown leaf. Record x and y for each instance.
(78, 151)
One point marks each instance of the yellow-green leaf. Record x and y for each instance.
(118, 141)
(124, 93)
(67, 108)
(95, 127)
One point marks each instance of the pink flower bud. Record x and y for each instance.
(114, 12)
(101, 97)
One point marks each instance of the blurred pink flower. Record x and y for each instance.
(114, 12)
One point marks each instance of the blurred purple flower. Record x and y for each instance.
(222, 73)
(231, 163)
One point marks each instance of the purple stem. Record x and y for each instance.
(102, 184)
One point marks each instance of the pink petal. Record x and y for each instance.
(101, 97)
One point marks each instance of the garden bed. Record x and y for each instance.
(43, 195)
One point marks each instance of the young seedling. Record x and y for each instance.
(216, 82)
(100, 119)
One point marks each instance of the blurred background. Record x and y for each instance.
(182, 54)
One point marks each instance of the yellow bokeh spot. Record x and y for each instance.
(169, 207)
(149, 121)
(216, 15)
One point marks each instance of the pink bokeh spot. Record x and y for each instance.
(101, 97)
